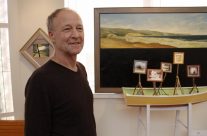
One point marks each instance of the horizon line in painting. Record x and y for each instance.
(153, 30)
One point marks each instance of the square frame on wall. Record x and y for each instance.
(114, 59)
(38, 49)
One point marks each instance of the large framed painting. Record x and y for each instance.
(153, 34)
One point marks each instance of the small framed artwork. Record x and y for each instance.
(38, 49)
(140, 66)
(166, 67)
(178, 58)
(193, 70)
(155, 75)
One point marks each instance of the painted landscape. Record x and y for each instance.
(129, 38)
(173, 30)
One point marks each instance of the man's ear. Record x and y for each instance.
(51, 36)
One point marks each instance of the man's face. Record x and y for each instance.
(67, 34)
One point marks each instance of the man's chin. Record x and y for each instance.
(76, 52)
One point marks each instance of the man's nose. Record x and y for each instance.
(75, 33)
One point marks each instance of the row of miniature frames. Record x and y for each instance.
(140, 67)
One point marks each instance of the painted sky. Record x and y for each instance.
(181, 23)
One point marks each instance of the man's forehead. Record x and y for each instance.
(68, 12)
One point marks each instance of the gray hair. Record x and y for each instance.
(53, 15)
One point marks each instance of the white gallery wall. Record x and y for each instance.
(25, 17)
(113, 117)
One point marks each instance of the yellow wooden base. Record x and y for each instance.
(162, 100)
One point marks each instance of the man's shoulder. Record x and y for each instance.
(80, 65)
(42, 71)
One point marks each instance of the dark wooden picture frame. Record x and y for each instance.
(193, 70)
(166, 67)
(114, 60)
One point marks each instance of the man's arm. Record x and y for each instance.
(37, 108)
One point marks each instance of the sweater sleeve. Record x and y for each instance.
(37, 108)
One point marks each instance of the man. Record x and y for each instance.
(59, 101)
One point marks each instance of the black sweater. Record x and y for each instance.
(59, 102)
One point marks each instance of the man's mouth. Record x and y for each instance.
(74, 43)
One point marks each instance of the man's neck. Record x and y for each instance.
(69, 62)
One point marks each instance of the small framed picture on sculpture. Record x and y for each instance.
(140, 66)
(155, 75)
(193, 70)
(178, 58)
(38, 49)
(166, 67)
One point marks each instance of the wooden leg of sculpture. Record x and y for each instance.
(156, 92)
(160, 87)
(177, 83)
(139, 87)
(194, 87)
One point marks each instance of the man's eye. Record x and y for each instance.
(80, 29)
(67, 29)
